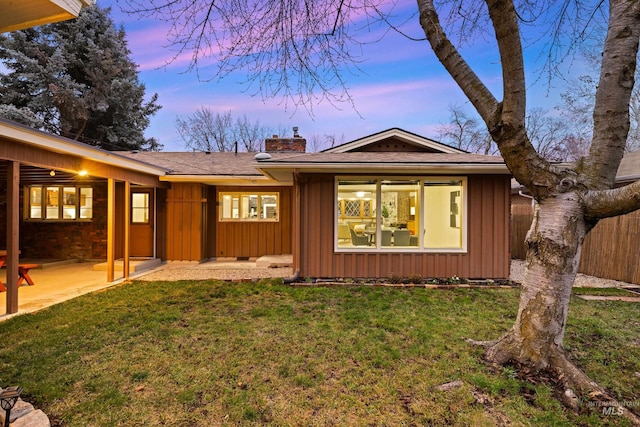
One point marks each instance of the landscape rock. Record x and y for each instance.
(450, 385)
(35, 418)
(24, 414)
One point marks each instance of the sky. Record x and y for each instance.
(401, 84)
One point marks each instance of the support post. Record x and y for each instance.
(111, 226)
(127, 230)
(13, 235)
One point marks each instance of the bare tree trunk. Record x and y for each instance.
(553, 243)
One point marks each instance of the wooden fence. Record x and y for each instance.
(611, 250)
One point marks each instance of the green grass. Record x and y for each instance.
(197, 353)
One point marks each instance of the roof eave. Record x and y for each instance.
(285, 171)
(63, 145)
(240, 180)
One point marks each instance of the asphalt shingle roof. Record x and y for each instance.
(244, 164)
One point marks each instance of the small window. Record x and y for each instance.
(140, 208)
(58, 203)
(249, 206)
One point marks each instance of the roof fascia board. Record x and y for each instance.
(62, 145)
(285, 172)
(244, 180)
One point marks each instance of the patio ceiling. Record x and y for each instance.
(20, 14)
(32, 174)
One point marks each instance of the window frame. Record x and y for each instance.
(145, 209)
(259, 205)
(64, 200)
(420, 214)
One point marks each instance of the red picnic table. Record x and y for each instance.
(23, 271)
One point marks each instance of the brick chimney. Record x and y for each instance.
(297, 144)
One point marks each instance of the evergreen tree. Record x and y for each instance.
(75, 78)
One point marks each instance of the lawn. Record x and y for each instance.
(205, 353)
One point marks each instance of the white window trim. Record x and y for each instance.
(418, 249)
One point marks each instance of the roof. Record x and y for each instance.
(26, 135)
(206, 167)
(18, 15)
(410, 138)
(629, 169)
(282, 168)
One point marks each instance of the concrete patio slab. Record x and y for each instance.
(55, 283)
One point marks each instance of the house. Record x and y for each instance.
(390, 203)
(18, 15)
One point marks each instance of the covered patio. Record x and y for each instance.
(91, 225)
(58, 281)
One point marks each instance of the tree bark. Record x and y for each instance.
(570, 199)
(553, 245)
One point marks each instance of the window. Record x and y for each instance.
(140, 208)
(59, 203)
(248, 206)
(443, 214)
(401, 214)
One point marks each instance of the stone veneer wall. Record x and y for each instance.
(62, 240)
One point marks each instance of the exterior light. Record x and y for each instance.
(8, 398)
(83, 173)
(52, 173)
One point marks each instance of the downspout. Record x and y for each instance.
(292, 279)
(295, 244)
(533, 201)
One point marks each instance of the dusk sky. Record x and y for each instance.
(401, 84)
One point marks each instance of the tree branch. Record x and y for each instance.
(608, 203)
(506, 120)
(479, 95)
(611, 111)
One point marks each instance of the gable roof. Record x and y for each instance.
(420, 142)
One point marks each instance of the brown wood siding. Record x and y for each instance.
(487, 253)
(211, 220)
(254, 239)
(186, 222)
(161, 223)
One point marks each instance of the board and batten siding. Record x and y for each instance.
(487, 253)
(253, 239)
(186, 224)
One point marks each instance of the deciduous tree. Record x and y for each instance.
(302, 47)
(206, 130)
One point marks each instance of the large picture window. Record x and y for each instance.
(248, 206)
(401, 214)
(58, 203)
